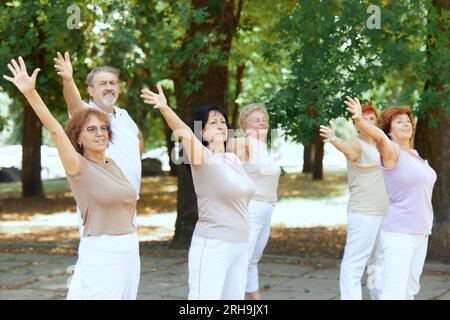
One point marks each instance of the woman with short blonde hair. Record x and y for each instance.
(265, 173)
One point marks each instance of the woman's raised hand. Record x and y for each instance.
(20, 78)
(63, 66)
(157, 100)
(328, 133)
(354, 107)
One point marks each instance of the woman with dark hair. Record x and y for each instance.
(219, 247)
(108, 265)
(409, 182)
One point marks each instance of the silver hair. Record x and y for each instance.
(249, 109)
(91, 75)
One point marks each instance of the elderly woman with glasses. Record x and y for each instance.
(108, 256)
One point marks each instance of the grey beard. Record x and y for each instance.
(108, 100)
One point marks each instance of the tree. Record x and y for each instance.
(36, 30)
(432, 138)
(333, 53)
(329, 57)
(198, 84)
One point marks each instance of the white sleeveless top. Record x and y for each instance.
(365, 180)
(263, 171)
(223, 192)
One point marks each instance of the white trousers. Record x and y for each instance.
(217, 269)
(108, 268)
(260, 214)
(362, 249)
(404, 257)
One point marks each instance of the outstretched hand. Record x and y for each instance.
(354, 107)
(64, 66)
(328, 133)
(158, 100)
(20, 78)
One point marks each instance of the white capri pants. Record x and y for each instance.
(362, 249)
(217, 269)
(404, 257)
(108, 268)
(260, 213)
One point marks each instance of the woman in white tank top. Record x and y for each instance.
(265, 173)
(366, 208)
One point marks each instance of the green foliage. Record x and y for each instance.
(36, 30)
(332, 53)
(262, 77)
(436, 69)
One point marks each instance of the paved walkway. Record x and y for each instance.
(164, 276)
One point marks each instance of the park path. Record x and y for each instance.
(164, 276)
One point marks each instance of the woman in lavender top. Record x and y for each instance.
(409, 182)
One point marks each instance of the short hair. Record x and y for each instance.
(77, 122)
(388, 114)
(247, 110)
(203, 115)
(369, 108)
(91, 75)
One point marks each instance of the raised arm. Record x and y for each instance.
(193, 146)
(388, 150)
(26, 85)
(70, 91)
(350, 149)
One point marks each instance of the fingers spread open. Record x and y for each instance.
(10, 67)
(160, 91)
(15, 65)
(8, 78)
(22, 64)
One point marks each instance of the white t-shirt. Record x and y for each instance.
(123, 149)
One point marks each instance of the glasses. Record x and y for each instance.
(94, 129)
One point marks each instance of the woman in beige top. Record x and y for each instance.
(265, 173)
(366, 208)
(218, 252)
(108, 264)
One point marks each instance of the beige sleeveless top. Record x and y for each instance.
(105, 197)
(263, 170)
(365, 180)
(223, 193)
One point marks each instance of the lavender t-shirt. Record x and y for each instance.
(409, 186)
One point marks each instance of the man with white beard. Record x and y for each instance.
(127, 143)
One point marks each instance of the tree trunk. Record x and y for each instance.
(318, 159)
(213, 91)
(433, 144)
(170, 145)
(32, 138)
(31, 154)
(239, 76)
(308, 156)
